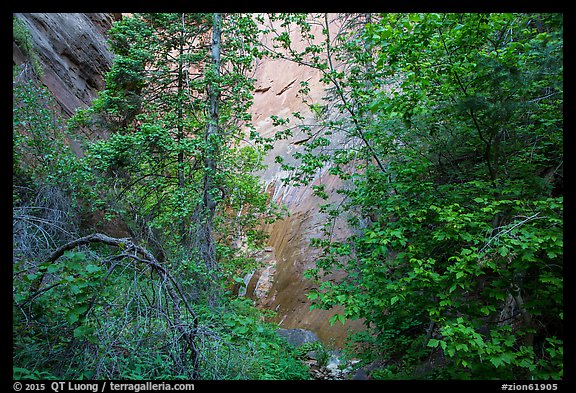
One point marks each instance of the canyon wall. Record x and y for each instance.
(73, 53)
(277, 85)
(74, 56)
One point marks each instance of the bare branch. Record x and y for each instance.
(499, 234)
(140, 254)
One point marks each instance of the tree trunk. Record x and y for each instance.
(207, 246)
(181, 136)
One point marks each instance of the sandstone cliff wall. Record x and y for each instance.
(277, 85)
(74, 55)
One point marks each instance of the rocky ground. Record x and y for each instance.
(324, 364)
(334, 369)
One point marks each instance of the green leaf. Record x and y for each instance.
(496, 361)
(72, 317)
(433, 343)
(242, 329)
(337, 317)
(312, 295)
(503, 251)
(384, 34)
(90, 268)
(485, 310)
(83, 331)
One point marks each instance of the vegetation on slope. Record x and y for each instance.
(453, 163)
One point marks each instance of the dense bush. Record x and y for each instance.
(450, 149)
(458, 250)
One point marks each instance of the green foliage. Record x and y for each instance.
(50, 318)
(248, 347)
(321, 352)
(23, 39)
(160, 168)
(451, 152)
(457, 213)
(40, 149)
(93, 314)
(23, 373)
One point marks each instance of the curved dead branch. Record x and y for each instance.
(140, 254)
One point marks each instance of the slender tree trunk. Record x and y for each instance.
(180, 125)
(207, 246)
(358, 127)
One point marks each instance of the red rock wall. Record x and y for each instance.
(73, 52)
(74, 55)
(277, 85)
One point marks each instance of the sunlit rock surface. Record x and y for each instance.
(277, 85)
(74, 55)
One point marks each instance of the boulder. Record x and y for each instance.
(298, 337)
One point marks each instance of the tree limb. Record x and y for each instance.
(140, 254)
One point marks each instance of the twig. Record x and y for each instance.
(532, 217)
(139, 254)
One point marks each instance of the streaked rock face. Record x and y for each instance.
(73, 52)
(277, 85)
(298, 337)
(74, 55)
